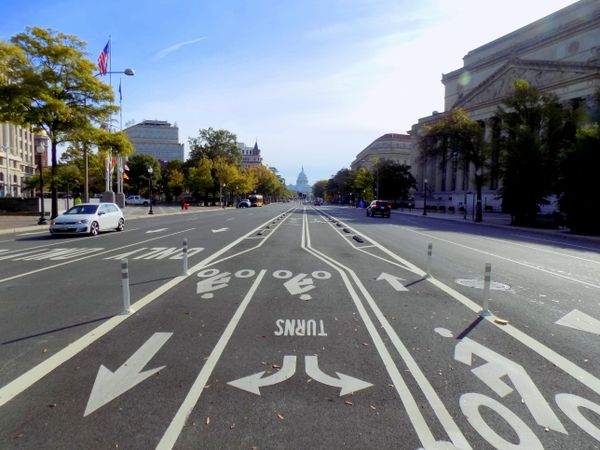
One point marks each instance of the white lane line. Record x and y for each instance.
(24, 274)
(34, 374)
(174, 430)
(514, 261)
(558, 360)
(554, 241)
(414, 412)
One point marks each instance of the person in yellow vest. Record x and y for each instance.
(77, 200)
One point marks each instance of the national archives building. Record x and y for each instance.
(558, 54)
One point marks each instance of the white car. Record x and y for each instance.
(137, 200)
(89, 218)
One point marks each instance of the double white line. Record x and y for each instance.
(414, 413)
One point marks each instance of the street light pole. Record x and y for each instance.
(150, 171)
(425, 197)
(39, 149)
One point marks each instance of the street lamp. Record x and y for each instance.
(425, 197)
(39, 149)
(150, 171)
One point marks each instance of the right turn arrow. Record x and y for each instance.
(347, 383)
(253, 383)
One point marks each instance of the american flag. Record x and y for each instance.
(103, 59)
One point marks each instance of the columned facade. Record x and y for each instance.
(17, 160)
(559, 54)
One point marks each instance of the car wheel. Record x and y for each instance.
(94, 229)
(121, 225)
(145, 203)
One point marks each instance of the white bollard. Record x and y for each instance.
(487, 281)
(185, 257)
(125, 286)
(429, 251)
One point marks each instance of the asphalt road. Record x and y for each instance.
(299, 327)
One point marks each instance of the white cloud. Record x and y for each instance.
(173, 48)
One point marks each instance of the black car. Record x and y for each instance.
(379, 208)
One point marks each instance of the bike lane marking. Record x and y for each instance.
(174, 430)
(572, 369)
(413, 410)
(24, 274)
(33, 375)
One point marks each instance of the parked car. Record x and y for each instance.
(244, 203)
(379, 208)
(89, 218)
(137, 200)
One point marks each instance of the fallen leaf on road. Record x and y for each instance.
(501, 321)
(207, 421)
(372, 407)
(275, 366)
(280, 416)
(348, 403)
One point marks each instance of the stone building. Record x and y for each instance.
(156, 138)
(17, 160)
(250, 155)
(558, 54)
(390, 146)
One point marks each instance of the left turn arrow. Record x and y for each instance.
(109, 385)
(253, 383)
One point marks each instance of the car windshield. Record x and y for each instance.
(82, 209)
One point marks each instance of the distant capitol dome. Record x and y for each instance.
(302, 184)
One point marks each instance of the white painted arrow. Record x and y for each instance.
(253, 383)
(218, 230)
(158, 230)
(580, 321)
(347, 383)
(109, 385)
(393, 280)
(298, 285)
(219, 281)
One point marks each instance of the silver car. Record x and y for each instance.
(89, 218)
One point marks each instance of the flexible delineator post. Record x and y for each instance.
(125, 286)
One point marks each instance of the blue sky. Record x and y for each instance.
(313, 81)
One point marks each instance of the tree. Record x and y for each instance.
(395, 180)
(457, 136)
(48, 84)
(340, 186)
(139, 177)
(579, 170)
(212, 143)
(533, 126)
(200, 178)
(319, 188)
(363, 184)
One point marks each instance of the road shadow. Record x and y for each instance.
(56, 330)
(470, 328)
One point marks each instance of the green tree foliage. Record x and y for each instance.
(580, 166)
(534, 128)
(200, 178)
(172, 182)
(139, 178)
(395, 180)
(456, 135)
(212, 144)
(340, 186)
(48, 84)
(319, 188)
(363, 185)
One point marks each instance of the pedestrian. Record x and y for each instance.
(77, 200)
(182, 201)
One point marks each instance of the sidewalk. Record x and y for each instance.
(17, 224)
